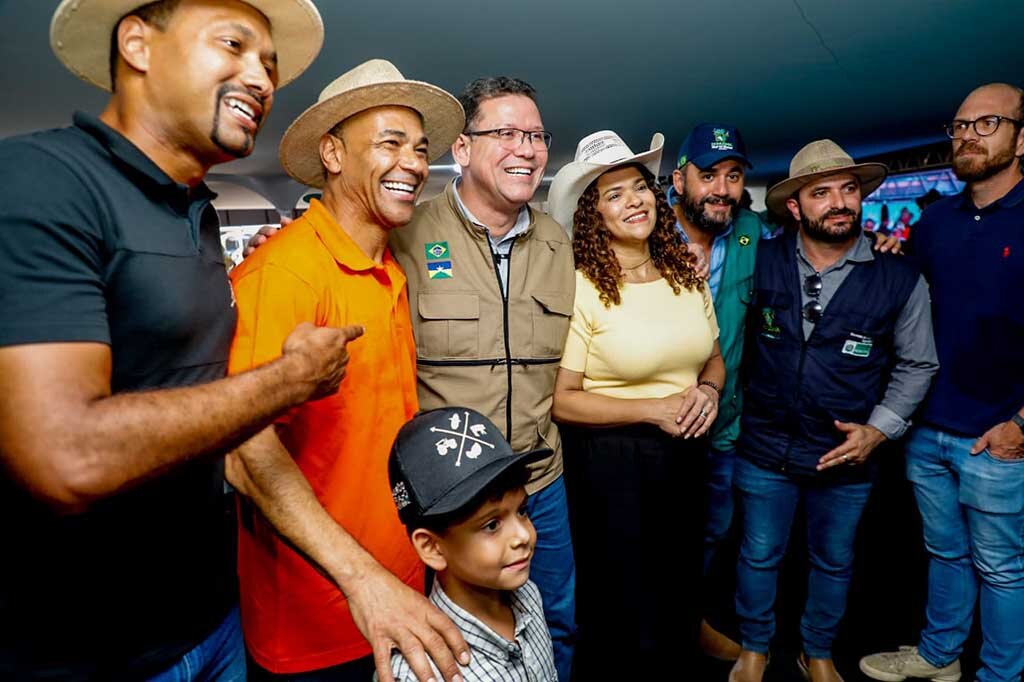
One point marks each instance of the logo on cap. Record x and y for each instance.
(721, 141)
(457, 439)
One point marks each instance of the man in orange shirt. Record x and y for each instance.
(325, 564)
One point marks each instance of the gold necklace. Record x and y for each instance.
(634, 267)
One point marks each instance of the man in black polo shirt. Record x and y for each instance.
(966, 458)
(117, 320)
(839, 354)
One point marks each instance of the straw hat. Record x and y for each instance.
(80, 35)
(376, 83)
(816, 160)
(595, 154)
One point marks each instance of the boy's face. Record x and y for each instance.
(493, 548)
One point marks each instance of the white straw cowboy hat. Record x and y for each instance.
(80, 35)
(816, 160)
(376, 83)
(595, 154)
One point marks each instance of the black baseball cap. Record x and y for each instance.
(443, 459)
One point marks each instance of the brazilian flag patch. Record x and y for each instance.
(436, 250)
(440, 269)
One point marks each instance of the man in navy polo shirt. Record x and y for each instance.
(117, 321)
(966, 457)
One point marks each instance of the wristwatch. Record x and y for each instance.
(1019, 421)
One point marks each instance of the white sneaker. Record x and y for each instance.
(896, 666)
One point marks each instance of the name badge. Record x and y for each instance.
(858, 345)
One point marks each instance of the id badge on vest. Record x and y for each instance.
(858, 345)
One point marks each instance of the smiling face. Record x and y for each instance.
(828, 208)
(491, 550)
(710, 196)
(209, 76)
(505, 178)
(377, 160)
(627, 206)
(978, 158)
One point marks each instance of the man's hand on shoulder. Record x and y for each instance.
(702, 266)
(1003, 441)
(391, 615)
(262, 235)
(861, 440)
(887, 243)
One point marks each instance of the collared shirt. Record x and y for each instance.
(492, 657)
(500, 246)
(98, 245)
(973, 259)
(295, 618)
(913, 341)
(716, 259)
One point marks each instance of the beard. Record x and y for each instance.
(241, 148)
(816, 228)
(980, 166)
(695, 213)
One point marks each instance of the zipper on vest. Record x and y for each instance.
(495, 261)
(799, 393)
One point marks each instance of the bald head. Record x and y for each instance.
(1009, 99)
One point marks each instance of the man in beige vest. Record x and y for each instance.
(491, 289)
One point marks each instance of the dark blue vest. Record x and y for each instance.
(795, 388)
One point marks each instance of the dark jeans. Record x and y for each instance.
(359, 670)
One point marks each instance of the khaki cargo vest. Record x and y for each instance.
(474, 348)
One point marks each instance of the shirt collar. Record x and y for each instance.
(140, 165)
(486, 640)
(859, 252)
(522, 220)
(1008, 200)
(718, 237)
(343, 249)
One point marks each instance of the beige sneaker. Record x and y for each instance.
(896, 666)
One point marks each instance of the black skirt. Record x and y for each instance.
(635, 511)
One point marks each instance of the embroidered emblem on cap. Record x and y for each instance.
(401, 496)
(454, 438)
(721, 142)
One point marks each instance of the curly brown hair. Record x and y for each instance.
(591, 246)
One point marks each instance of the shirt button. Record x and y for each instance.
(977, 217)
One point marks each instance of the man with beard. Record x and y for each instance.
(118, 318)
(965, 457)
(707, 186)
(839, 354)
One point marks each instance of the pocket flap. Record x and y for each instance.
(557, 302)
(449, 306)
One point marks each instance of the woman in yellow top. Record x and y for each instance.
(638, 386)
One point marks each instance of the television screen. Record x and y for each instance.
(894, 207)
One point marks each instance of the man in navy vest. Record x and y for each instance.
(966, 458)
(839, 354)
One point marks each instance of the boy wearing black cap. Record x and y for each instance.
(460, 492)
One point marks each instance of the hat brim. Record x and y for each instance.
(443, 121)
(572, 180)
(705, 161)
(468, 488)
(80, 33)
(871, 175)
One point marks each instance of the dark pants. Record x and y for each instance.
(635, 503)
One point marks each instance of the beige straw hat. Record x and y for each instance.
(80, 35)
(595, 154)
(376, 83)
(820, 158)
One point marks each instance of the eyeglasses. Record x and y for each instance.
(984, 126)
(812, 312)
(510, 138)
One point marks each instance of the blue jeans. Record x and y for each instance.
(718, 517)
(220, 657)
(769, 500)
(972, 509)
(553, 570)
